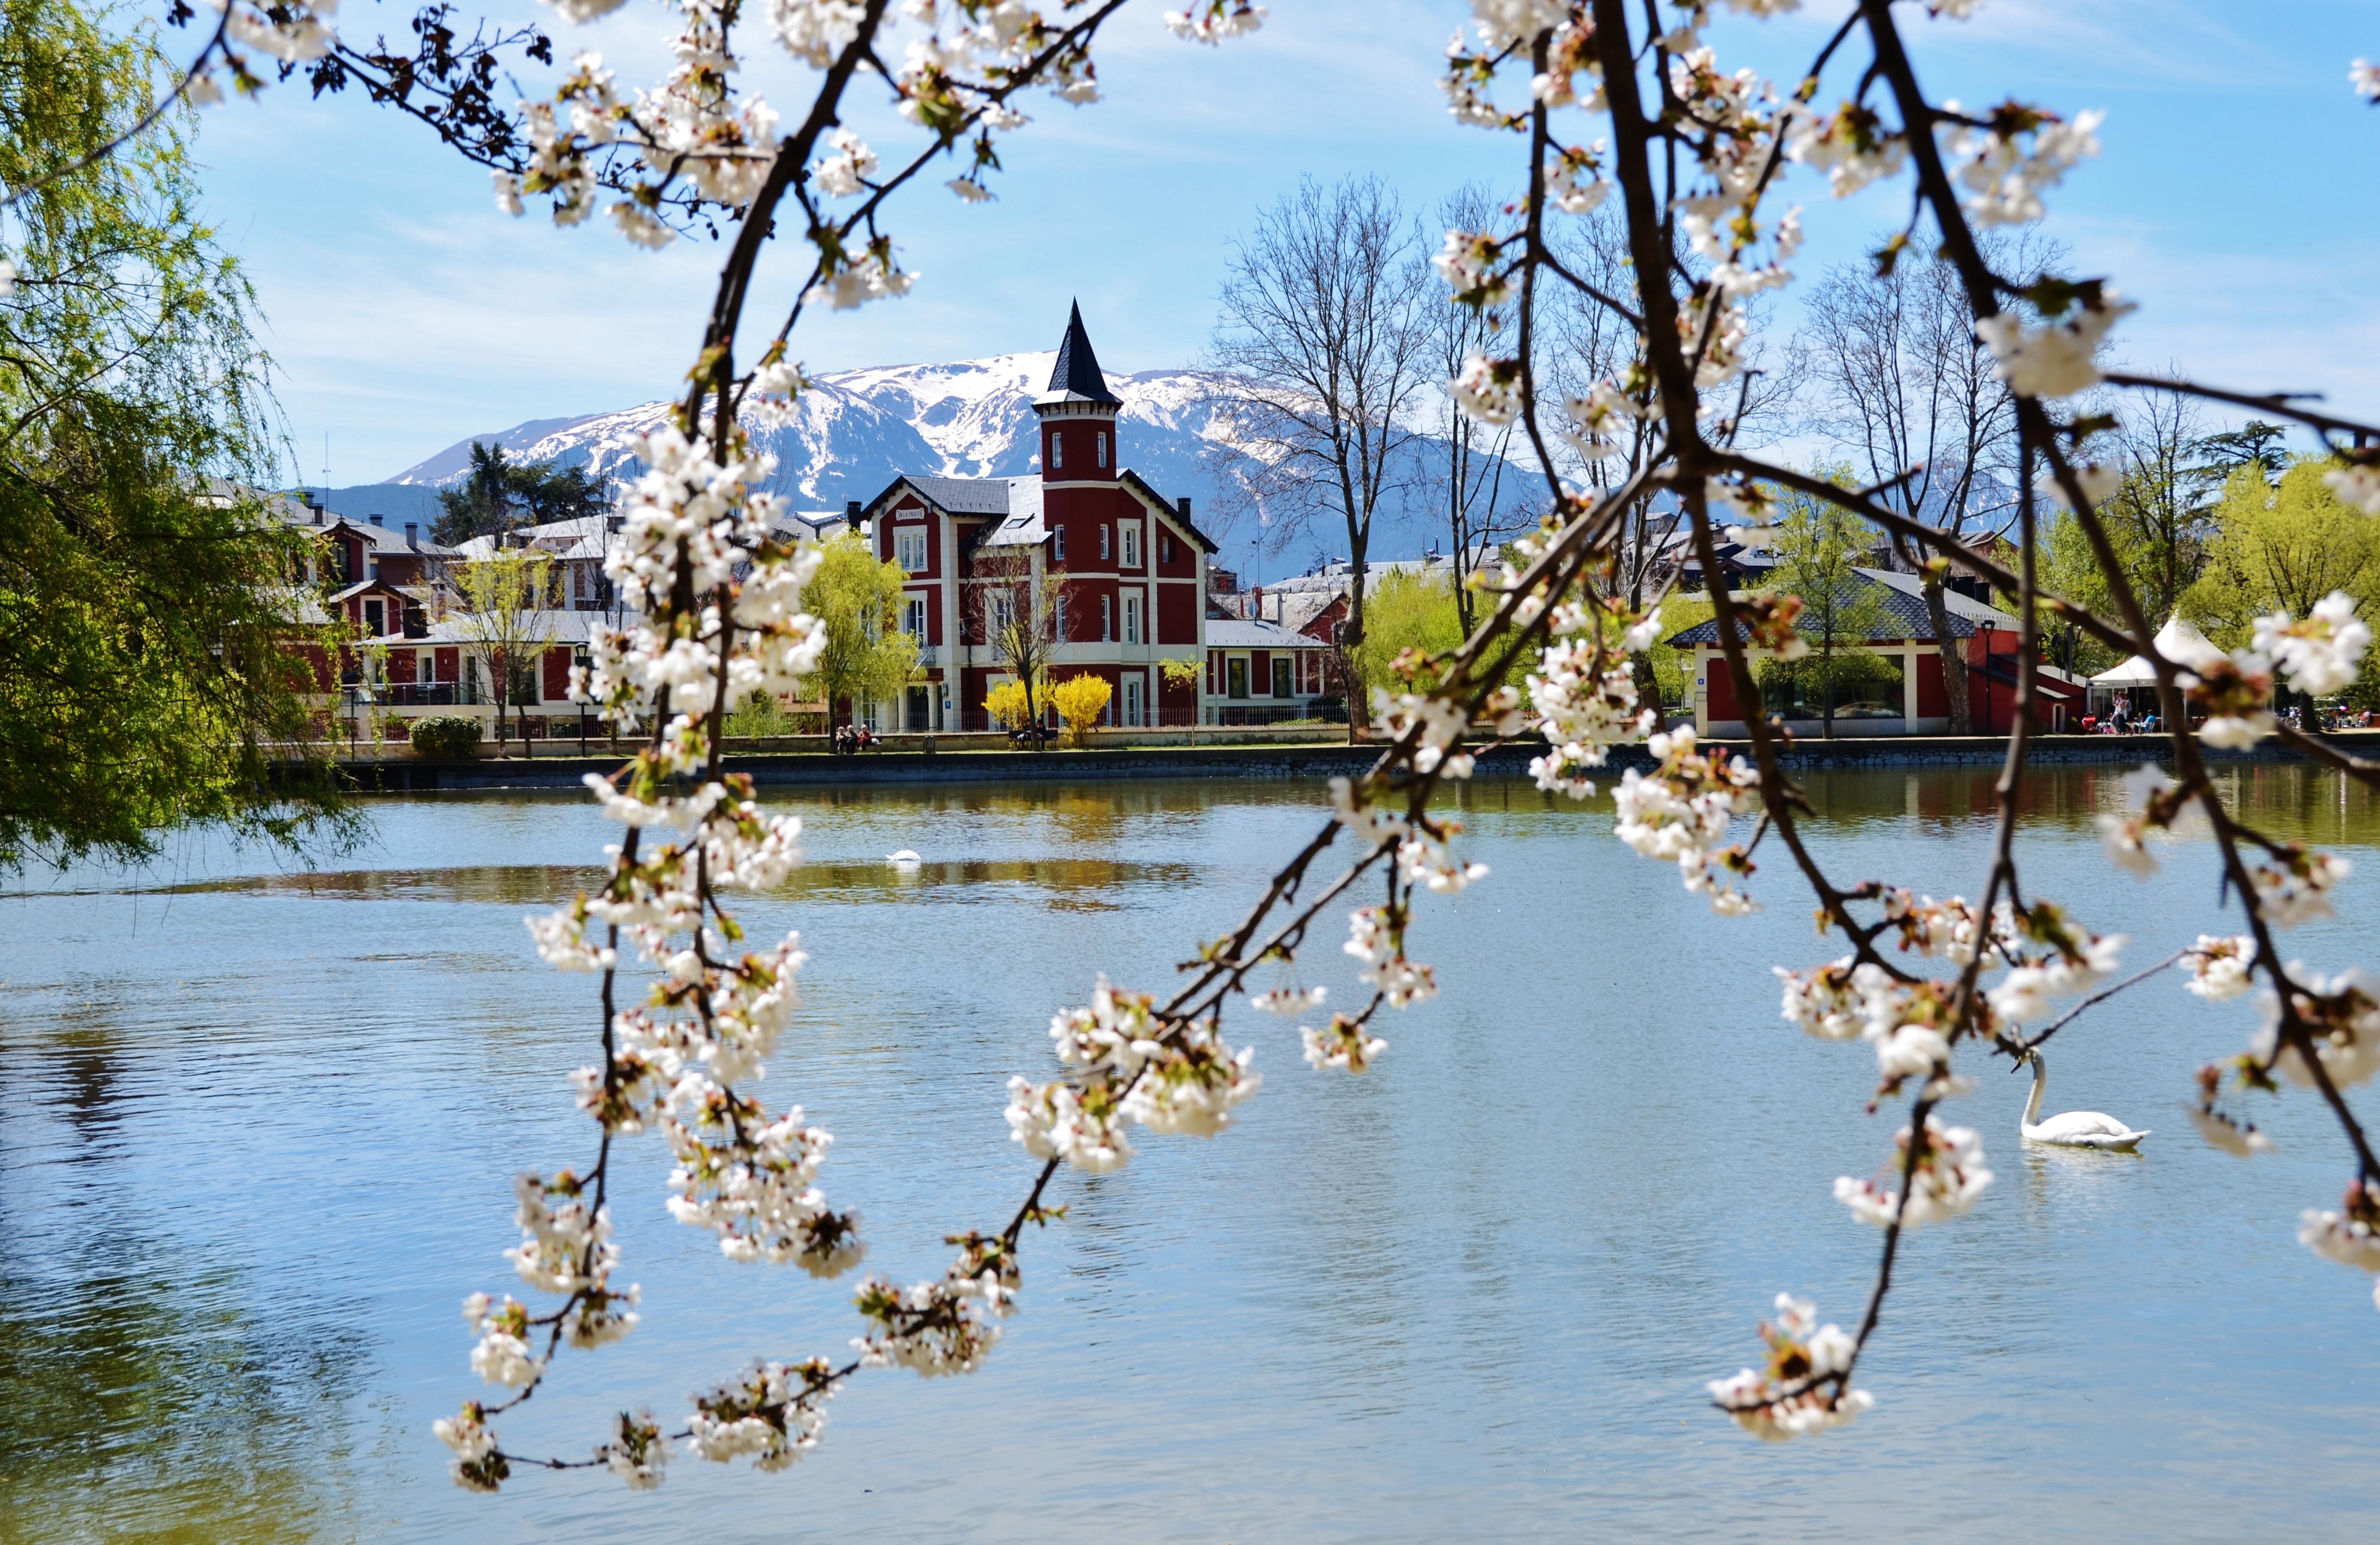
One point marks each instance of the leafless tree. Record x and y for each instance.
(1019, 619)
(2158, 513)
(1472, 455)
(1325, 334)
(1896, 378)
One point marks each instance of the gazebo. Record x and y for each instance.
(2135, 679)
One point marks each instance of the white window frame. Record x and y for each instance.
(1000, 614)
(913, 617)
(909, 551)
(1058, 616)
(1107, 618)
(1132, 619)
(1284, 678)
(1131, 544)
(1103, 448)
(1057, 449)
(1057, 544)
(1104, 543)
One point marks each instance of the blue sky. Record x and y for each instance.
(2233, 199)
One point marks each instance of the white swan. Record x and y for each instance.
(904, 860)
(2074, 1128)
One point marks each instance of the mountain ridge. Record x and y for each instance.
(855, 430)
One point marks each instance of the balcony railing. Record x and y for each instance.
(410, 694)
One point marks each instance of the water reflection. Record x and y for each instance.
(1065, 881)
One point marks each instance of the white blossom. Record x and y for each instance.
(2218, 967)
(2322, 654)
(2341, 1016)
(1950, 1177)
(2053, 360)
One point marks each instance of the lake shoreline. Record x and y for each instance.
(407, 774)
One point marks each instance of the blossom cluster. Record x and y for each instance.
(1802, 1390)
(1130, 1065)
(2339, 1016)
(2012, 154)
(1584, 692)
(1680, 812)
(773, 1413)
(942, 1327)
(1944, 1181)
(2349, 1236)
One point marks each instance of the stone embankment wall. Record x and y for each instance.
(406, 773)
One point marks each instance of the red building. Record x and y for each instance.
(1111, 572)
(1988, 639)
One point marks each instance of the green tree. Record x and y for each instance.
(151, 667)
(1410, 608)
(498, 495)
(1819, 552)
(2281, 546)
(859, 598)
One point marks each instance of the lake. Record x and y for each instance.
(260, 1128)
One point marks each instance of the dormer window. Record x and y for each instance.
(1057, 450)
(1103, 448)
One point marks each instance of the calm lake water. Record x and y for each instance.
(259, 1129)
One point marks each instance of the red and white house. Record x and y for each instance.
(1915, 703)
(1116, 567)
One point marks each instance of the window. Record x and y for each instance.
(1106, 616)
(1103, 449)
(1000, 609)
(1057, 450)
(1132, 621)
(1131, 544)
(1164, 548)
(1058, 544)
(374, 619)
(1235, 676)
(909, 551)
(913, 618)
(1103, 542)
(1280, 677)
(1132, 697)
(1058, 616)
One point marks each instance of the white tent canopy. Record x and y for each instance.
(2177, 640)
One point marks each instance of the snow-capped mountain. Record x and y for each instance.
(856, 430)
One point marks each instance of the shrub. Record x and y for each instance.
(446, 737)
(1006, 703)
(1080, 702)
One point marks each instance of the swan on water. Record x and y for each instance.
(2074, 1128)
(904, 860)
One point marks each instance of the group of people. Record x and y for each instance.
(852, 740)
(2121, 720)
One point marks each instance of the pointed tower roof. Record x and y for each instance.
(1076, 377)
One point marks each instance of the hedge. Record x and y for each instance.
(446, 737)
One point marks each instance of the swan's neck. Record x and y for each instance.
(2040, 1082)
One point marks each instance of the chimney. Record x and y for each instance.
(379, 520)
(851, 512)
(412, 533)
(1255, 604)
(1184, 505)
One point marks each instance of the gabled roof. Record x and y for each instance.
(1078, 377)
(1903, 613)
(1235, 633)
(1165, 506)
(565, 627)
